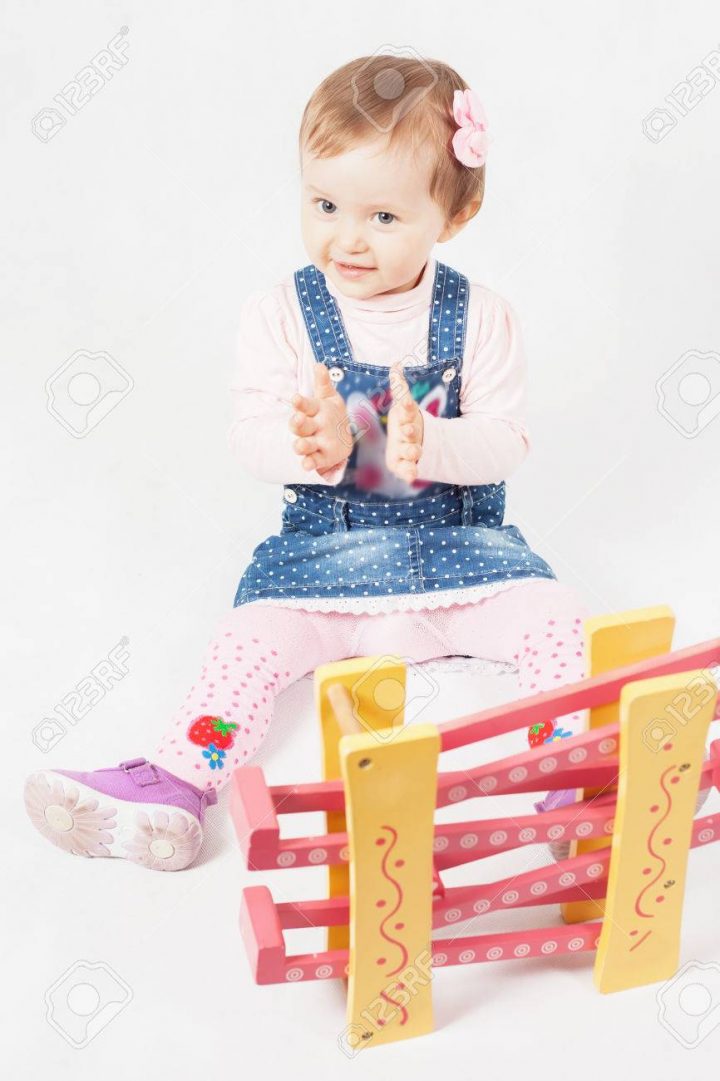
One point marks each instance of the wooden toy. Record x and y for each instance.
(637, 770)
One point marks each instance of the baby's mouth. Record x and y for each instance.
(352, 270)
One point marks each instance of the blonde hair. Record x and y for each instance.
(408, 98)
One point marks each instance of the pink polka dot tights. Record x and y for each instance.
(259, 649)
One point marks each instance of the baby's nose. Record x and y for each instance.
(351, 239)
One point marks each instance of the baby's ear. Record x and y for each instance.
(454, 225)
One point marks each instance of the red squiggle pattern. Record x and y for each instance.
(403, 1009)
(640, 941)
(400, 897)
(638, 900)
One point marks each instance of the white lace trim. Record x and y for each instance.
(476, 666)
(398, 602)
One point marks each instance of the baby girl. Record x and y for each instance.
(385, 391)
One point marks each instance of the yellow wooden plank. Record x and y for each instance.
(660, 763)
(376, 685)
(390, 794)
(612, 641)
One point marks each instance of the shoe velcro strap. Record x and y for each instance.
(140, 771)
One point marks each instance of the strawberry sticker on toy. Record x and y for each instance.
(207, 729)
(538, 733)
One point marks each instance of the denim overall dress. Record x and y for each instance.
(374, 534)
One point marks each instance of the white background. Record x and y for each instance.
(137, 230)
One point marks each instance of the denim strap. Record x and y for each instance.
(447, 320)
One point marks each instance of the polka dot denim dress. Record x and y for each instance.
(373, 534)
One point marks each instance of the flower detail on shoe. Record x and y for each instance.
(215, 756)
(164, 842)
(81, 827)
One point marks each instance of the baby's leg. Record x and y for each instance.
(257, 650)
(535, 625)
(152, 812)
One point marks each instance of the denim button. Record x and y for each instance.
(448, 374)
(336, 374)
(290, 496)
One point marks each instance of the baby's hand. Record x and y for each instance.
(404, 429)
(322, 424)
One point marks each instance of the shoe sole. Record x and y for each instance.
(80, 820)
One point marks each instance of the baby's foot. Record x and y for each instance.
(136, 811)
(559, 850)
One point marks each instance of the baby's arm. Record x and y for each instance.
(490, 439)
(263, 386)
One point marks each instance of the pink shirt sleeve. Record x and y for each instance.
(490, 438)
(266, 375)
(274, 361)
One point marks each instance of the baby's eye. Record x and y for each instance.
(324, 204)
(386, 218)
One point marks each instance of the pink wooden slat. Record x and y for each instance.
(310, 796)
(456, 843)
(262, 921)
(579, 878)
(473, 949)
(252, 810)
(584, 876)
(530, 768)
(584, 694)
(514, 945)
(329, 795)
(544, 885)
(589, 758)
(262, 934)
(560, 762)
(476, 840)
(461, 842)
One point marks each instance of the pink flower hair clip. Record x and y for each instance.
(470, 141)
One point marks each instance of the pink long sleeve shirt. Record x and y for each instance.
(275, 360)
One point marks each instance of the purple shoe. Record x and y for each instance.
(143, 813)
(560, 850)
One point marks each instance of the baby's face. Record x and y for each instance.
(369, 207)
